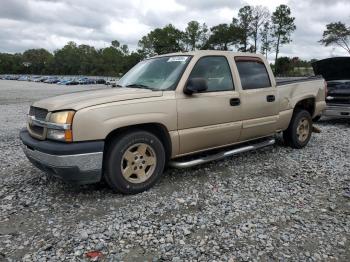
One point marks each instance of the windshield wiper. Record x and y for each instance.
(139, 86)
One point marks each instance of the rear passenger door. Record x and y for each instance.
(258, 97)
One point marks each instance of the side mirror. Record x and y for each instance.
(195, 85)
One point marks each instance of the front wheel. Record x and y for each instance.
(134, 162)
(299, 131)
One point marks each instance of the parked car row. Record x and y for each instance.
(60, 80)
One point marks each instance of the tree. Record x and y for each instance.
(130, 60)
(265, 39)
(66, 61)
(112, 59)
(260, 15)
(195, 35)
(162, 40)
(336, 34)
(221, 37)
(87, 59)
(37, 59)
(224, 35)
(11, 64)
(125, 49)
(204, 37)
(146, 46)
(283, 66)
(245, 15)
(282, 28)
(115, 44)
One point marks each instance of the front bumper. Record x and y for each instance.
(78, 163)
(337, 111)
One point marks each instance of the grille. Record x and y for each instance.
(39, 113)
(36, 129)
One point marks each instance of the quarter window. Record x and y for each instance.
(217, 72)
(253, 74)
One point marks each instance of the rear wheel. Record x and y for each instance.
(134, 162)
(299, 131)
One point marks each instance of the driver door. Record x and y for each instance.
(212, 118)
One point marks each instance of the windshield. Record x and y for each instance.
(161, 73)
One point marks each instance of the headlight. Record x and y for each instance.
(60, 126)
(63, 117)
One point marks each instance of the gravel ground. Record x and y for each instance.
(273, 204)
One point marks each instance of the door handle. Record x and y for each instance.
(270, 98)
(235, 101)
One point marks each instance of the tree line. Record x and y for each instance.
(253, 30)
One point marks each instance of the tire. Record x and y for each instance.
(134, 162)
(316, 118)
(299, 131)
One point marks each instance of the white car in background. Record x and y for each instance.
(112, 82)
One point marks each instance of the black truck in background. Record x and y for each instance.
(336, 71)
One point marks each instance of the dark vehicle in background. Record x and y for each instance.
(100, 81)
(85, 81)
(39, 79)
(72, 82)
(336, 71)
(52, 80)
(44, 78)
(34, 78)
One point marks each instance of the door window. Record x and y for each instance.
(217, 72)
(253, 74)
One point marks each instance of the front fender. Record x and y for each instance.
(95, 123)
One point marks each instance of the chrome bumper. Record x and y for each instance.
(77, 169)
(78, 163)
(84, 162)
(337, 111)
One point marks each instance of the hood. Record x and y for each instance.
(335, 68)
(82, 99)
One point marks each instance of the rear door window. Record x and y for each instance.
(253, 74)
(217, 72)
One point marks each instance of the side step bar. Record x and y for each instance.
(220, 155)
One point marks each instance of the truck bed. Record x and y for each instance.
(281, 81)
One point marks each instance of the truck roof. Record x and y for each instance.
(212, 52)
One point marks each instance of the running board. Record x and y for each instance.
(221, 155)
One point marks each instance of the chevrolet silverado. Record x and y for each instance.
(166, 108)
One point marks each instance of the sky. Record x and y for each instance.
(50, 24)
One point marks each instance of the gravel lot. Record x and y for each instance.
(273, 204)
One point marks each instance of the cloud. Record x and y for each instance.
(209, 4)
(311, 18)
(52, 23)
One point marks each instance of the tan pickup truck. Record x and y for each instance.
(164, 109)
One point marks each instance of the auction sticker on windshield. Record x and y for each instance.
(177, 59)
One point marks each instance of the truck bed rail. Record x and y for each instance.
(292, 80)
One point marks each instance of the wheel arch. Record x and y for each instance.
(307, 104)
(157, 129)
